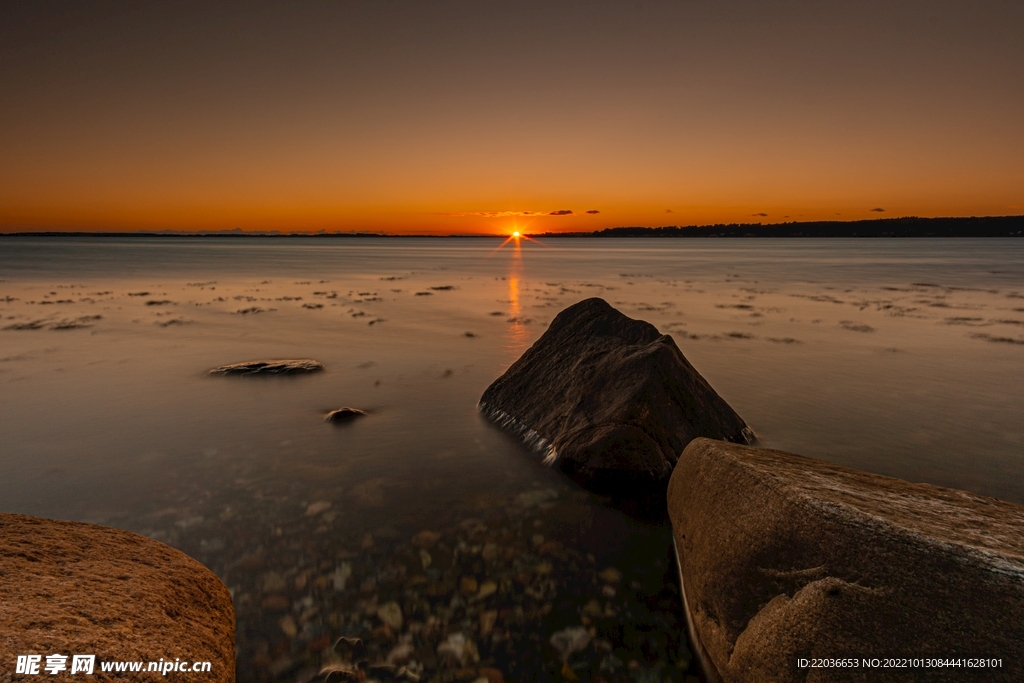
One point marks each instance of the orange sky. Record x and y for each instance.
(462, 117)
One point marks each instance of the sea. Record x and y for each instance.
(420, 528)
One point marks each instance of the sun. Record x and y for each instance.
(515, 234)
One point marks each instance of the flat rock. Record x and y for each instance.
(344, 415)
(72, 588)
(609, 400)
(270, 367)
(785, 557)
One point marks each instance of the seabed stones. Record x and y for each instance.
(489, 604)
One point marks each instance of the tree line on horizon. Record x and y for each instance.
(911, 226)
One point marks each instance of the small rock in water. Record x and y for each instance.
(269, 367)
(467, 585)
(341, 576)
(610, 575)
(288, 626)
(426, 538)
(400, 653)
(391, 614)
(487, 621)
(344, 415)
(487, 588)
(278, 603)
(536, 497)
(570, 641)
(317, 507)
(273, 582)
(460, 648)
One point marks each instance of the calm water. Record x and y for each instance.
(902, 357)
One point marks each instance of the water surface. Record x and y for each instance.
(900, 357)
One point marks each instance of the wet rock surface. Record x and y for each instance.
(78, 589)
(785, 557)
(269, 367)
(609, 400)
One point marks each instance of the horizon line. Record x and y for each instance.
(239, 232)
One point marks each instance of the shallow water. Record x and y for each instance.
(901, 357)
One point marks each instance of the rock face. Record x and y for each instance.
(609, 400)
(71, 588)
(270, 367)
(785, 557)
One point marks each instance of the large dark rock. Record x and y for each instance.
(609, 400)
(786, 558)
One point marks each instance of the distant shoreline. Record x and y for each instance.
(973, 226)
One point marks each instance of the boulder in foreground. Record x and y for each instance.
(786, 558)
(609, 400)
(71, 588)
(270, 367)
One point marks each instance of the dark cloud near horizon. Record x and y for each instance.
(878, 209)
(593, 211)
(759, 214)
(561, 212)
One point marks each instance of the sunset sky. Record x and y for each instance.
(483, 117)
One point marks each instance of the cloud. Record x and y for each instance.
(759, 214)
(878, 210)
(669, 211)
(495, 214)
(561, 212)
(596, 211)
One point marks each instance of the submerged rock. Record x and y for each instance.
(344, 415)
(270, 367)
(785, 557)
(609, 400)
(83, 589)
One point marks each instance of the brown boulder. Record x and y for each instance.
(609, 400)
(80, 589)
(786, 558)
